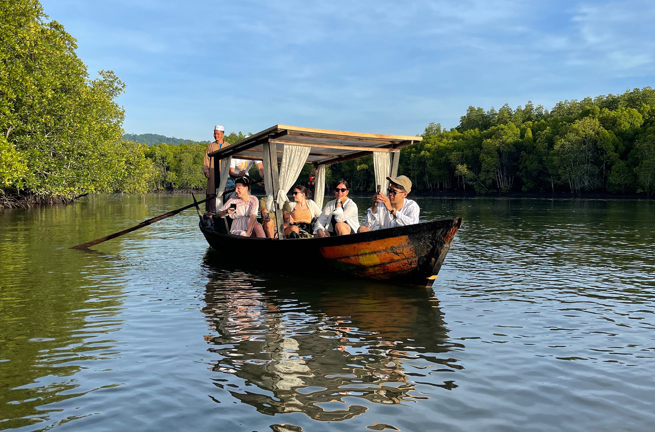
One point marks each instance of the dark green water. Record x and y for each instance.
(542, 318)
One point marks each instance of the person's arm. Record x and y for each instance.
(323, 219)
(206, 162)
(252, 219)
(372, 220)
(252, 215)
(226, 209)
(233, 169)
(347, 211)
(338, 211)
(409, 216)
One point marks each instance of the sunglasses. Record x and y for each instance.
(296, 193)
(340, 189)
(393, 191)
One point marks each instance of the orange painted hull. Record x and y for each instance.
(412, 254)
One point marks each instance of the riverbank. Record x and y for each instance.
(28, 201)
(32, 200)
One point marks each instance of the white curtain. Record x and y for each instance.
(268, 181)
(382, 167)
(319, 186)
(225, 173)
(293, 159)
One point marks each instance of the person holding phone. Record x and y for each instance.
(393, 209)
(243, 210)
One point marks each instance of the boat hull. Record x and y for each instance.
(410, 255)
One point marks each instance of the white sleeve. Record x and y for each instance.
(372, 220)
(338, 213)
(323, 219)
(314, 208)
(345, 212)
(410, 216)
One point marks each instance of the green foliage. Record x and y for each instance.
(357, 172)
(578, 155)
(12, 166)
(61, 131)
(499, 156)
(645, 150)
(177, 166)
(604, 144)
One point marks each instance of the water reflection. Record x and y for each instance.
(323, 348)
(58, 310)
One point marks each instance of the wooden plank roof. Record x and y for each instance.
(327, 146)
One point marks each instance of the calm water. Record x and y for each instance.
(542, 319)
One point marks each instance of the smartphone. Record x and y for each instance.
(233, 206)
(379, 187)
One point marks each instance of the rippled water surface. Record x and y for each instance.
(542, 318)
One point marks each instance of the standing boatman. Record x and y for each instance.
(208, 167)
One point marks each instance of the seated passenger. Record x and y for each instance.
(243, 211)
(394, 210)
(339, 217)
(300, 213)
(239, 168)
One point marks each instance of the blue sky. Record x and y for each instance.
(366, 66)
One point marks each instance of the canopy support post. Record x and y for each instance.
(217, 177)
(395, 159)
(271, 170)
(319, 184)
(217, 172)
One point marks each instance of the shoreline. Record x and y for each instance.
(8, 202)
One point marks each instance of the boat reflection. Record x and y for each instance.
(324, 348)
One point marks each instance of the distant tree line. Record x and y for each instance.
(151, 139)
(605, 144)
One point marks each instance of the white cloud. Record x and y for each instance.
(617, 35)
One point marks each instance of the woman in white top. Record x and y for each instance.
(339, 217)
(243, 211)
(300, 213)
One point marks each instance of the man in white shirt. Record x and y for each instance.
(394, 210)
(339, 217)
(241, 168)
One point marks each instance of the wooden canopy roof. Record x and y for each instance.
(327, 146)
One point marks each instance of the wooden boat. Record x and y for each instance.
(407, 254)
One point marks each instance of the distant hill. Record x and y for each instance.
(151, 139)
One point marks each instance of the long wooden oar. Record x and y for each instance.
(136, 227)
